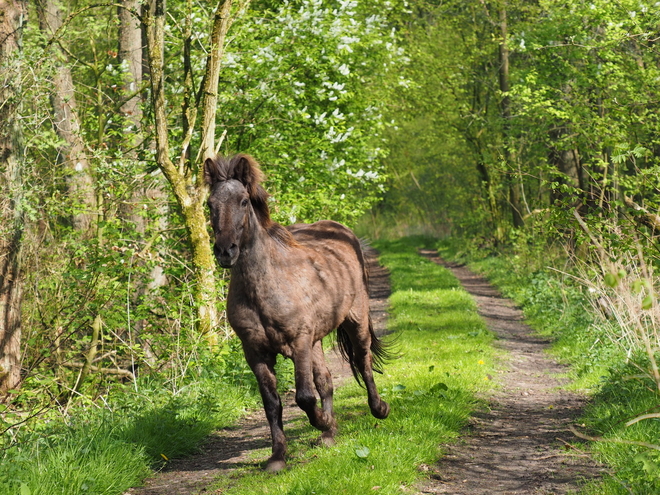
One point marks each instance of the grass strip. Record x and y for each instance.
(444, 359)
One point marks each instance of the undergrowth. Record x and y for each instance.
(443, 358)
(111, 444)
(558, 307)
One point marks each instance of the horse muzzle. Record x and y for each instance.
(226, 257)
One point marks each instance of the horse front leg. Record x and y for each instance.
(263, 367)
(323, 383)
(303, 362)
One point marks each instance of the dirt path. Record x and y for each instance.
(521, 445)
(231, 448)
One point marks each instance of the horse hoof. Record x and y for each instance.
(328, 439)
(275, 465)
(381, 412)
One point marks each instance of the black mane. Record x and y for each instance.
(245, 169)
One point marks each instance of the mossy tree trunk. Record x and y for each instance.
(185, 178)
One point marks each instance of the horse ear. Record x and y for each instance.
(210, 172)
(247, 171)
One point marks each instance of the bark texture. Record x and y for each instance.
(567, 160)
(130, 54)
(12, 18)
(72, 153)
(505, 105)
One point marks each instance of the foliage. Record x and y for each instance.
(313, 113)
(581, 131)
(443, 360)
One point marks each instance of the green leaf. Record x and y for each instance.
(398, 388)
(25, 490)
(439, 387)
(647, 302)
(649, 466)
(362, 452)
(611, 280)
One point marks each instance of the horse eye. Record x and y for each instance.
(244, 203)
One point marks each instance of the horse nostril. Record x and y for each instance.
(219, 251)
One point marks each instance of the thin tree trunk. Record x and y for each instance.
(67, 125)
(130, 55)
(567, 161)
(505, 104)
(12, 19)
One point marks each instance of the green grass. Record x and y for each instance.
(558, 309)
(107, 450)
(444, 359)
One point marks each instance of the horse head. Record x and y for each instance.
(237, 199)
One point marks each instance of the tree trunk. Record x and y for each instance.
(130, 54)
(505, 105)
(566, 159)
(80, 183)
(186, 182)
(12, 19)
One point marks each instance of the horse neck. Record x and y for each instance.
(255, 264)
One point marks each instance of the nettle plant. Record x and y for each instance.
(302, 89)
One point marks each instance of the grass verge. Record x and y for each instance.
(444, 359)
(106, 450)
(558, 308)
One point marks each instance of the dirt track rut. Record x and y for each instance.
(521, 445)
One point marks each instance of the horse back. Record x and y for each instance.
(334, 243)
(327, 235)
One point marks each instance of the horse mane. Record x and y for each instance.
(245, 169)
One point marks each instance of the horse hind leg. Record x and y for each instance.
(323, 383)
(356, 341)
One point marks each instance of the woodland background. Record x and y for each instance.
(522, 127)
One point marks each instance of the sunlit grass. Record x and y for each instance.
(444, 359)
(108, 450)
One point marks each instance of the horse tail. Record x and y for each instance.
(380, 351)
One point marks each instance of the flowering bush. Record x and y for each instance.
(302, 90)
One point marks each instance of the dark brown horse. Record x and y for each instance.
(289, 288)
